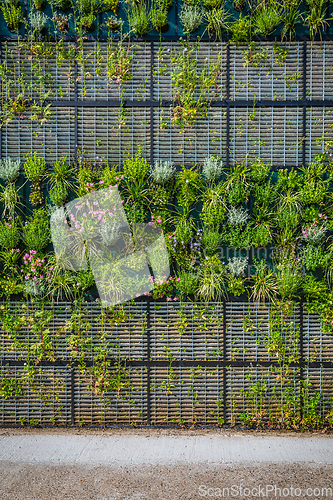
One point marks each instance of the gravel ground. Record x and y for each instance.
(181, 481)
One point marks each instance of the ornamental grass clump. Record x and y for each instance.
(264, 283)
(139, 19)
(212, 282)
(267, 18)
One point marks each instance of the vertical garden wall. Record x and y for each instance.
(223, 142)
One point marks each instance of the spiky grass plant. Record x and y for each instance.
(316, 18)
(10, 198)
(264, 283)
(139, 18)
(217, 20)
(211, 279)
(290, 17)
(62, 173)
(267, 18)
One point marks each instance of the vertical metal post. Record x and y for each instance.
(228, 107)
(75, 108)
(224, 360)
(304, 104)
(72, 396)
(301, 355)
(176, 18)
(151, 103)
(1, 101)
(148, 359)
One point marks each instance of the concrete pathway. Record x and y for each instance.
(125, 450)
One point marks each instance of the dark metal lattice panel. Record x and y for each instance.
(176, 345)
(20, 338)
(180, 395)
(274, 134)
(194, 144)
(249, 333)
(207, 55)
(259, 394)
(50, 77)
(125, 335)
(104, 133)
(317, 344)
(42, 397)
(52, 140)
(319, 70)
(318, 394)
(319, 126)
(184, 331)
(99, 82)
(272, 78)
(125, 404)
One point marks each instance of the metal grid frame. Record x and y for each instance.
(149, 365)
(300, 110)
(206, 359)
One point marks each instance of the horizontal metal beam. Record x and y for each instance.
(175, 363)
(249, 103)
